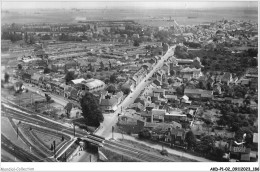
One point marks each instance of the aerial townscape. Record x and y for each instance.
(119, 85)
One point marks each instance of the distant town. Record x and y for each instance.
(120, 91)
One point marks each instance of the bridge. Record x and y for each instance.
(120, 148)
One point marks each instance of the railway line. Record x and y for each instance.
(16, 151)
(32, 119)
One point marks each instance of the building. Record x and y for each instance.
(108, 104)
(90, 85)
(198, 93)
(131, 122)
(191, 73)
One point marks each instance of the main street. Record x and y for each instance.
(105, 129)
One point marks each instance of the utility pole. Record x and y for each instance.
(74, 130)
(54, 148)
(112, 132)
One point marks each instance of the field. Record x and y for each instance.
(153, 17)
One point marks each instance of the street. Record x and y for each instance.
(106, 127)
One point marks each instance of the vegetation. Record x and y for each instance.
(91, 109)
(113, 78)
(68, 109)
(111, 89)
(219, 60)
(7, 76)
(144, 134)
(14, 37)
(69, 76)
(190, 139)
(19, 66)
(46, 70)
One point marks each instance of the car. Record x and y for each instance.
(44, 90)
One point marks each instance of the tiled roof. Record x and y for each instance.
(108, 102)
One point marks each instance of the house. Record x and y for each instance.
(137, 107)
(174, 114)
(166, 69)
(226, 78)
(158, 115)
(244, 81)
(90, 85)
(217, 89)
(175, 136)
(26, 77)
(108, 104)
(157, 82)
(36, 78)
(198, 93)
(253, 83)
(171, 95)
(131, 122)
(18, 86)
(251, 73)
(191, 73)
(158, 91)
(192, 93)
(206, 94)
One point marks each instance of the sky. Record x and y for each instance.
(143, 4)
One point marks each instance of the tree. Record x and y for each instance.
(7, 76)
(19, 66)
(48, 98)
(170, 81)
(172, 72)
(207, 144)
(26, 37)
(136, 43)
(69, 76)
(190, 139)
(113, 78)
(68, 108)
(89, 75)
(180, 90)
(111, 89)
(110, 65)
(91, 109)
(46, 70)
(101, 65)
(144, 134)
(126, 90)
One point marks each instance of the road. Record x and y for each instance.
(109, 121)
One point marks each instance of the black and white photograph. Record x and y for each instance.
(123, 83)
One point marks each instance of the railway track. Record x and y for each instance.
(137, 153)
(16, 151)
